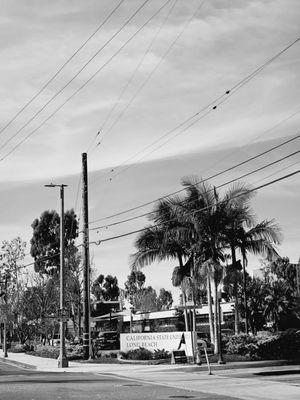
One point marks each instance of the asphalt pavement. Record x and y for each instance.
(259, 381)
(19, 383)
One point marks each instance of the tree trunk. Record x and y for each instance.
(235, 292)
(216, 319)
(194, 327)
(236, 311)
(210, 312)
(245, 295)
(184, 310)
(183, 297)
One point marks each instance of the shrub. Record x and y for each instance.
(45, 351)
(161, 354)
(285, 345)
(74, 352)
(242, 344)
(21, 348)
(266, 346)
(139, 354)
(144, 354)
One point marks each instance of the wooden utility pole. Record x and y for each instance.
(86, 262)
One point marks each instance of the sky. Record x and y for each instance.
(124, 98)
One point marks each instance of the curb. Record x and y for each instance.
(227, 366)
(18, 364)
(142, 362)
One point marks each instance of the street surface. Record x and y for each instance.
(21, 384)
(246, 384)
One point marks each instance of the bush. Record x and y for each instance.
(266, 346)
(74, 352)
(45, 351)
(21, 348)
(243, 344)
(138, 354)
(143, 354)
(285, 345)
(161, 354)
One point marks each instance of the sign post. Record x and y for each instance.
(202, 345)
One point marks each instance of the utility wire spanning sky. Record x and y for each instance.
(137, 69)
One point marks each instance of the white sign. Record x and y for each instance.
(157, 340)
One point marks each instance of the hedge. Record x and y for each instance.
(266, 346)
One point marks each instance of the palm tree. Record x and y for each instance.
(245, 235)
(162, 242)
(258, 240)
(203, 217)
(179, 279)
(238, 213)
(276, 303)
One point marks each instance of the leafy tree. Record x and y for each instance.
(106, 288)
(277, 303)
(45, 241)
(285, 272)
(39, 305)
(256, 293)
(11, 256)
(74, 289)
(165, 299)
(148, 300)
(133, 288)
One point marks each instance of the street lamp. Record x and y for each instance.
(62, 359)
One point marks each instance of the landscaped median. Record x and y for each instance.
(238, 348)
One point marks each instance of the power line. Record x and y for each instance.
(74, 76)
(201, 181)
(203, 209)
(209, 108)
(61, 68)
(277, 172)
(100, 131)
(141, 87)
(87, 81)
(135, 71)
(217, 187)
(45, 258)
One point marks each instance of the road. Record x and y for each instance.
(20, 384)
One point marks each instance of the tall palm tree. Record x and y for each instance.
(276, 303)
(162, 242)
(238, 213)
(258, 240)
(201, 214)
(179, 275)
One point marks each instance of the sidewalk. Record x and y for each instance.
(235, 380)
(47, 364)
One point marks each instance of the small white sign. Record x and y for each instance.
(157, 341)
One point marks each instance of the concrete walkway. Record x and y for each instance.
(232, 380)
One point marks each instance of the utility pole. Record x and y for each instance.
(62, 358)
(86, 262)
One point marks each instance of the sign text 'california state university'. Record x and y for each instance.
(157, 340)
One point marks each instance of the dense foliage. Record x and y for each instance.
(266, 346)
(145, 298)
(144, 354)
